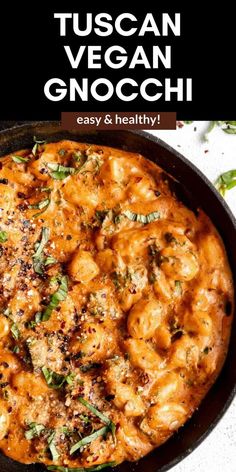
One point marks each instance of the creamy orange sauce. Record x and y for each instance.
(113, 295)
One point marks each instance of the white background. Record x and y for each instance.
(218, 452)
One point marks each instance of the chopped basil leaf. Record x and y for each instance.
(145, 219)
(16, 349)
(39, 141)
(52, 447)
(38, 259)
(34, 430)
(15, 331)
(42, 205)
(55, 380)
(56, 298)
(210, 128)
(60, 172)
(3, 236)
(228, 127)
(38, 317)
(44, 239)
(226, 181)
(30, 324)
(50, 260)
(20, 159)
(88, 439)
(94, 468)
(99, 414)
(35, 149)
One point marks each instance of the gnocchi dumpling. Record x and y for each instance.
(83, 267)
(180, 265)
(142, 355)
(167, 417)
(144, 318)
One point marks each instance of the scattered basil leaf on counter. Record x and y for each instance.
(3, 236)
(20, 159)
(15, 331)
(88, 439)
(145, 219)
(226, 181)
(56, 298)
(188, 122)
(95, 468)
(55, 380)
(228, 127)
(34, 430)
(59, 172)
(99, 414)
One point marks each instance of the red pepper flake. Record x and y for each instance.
(206, 150)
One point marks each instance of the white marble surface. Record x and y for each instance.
(218, 452)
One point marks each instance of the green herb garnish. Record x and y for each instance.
(15, 331)
(55, 380)
(49, 260)
(42, 205)
(88, 439)
(226, 181)
(59, 172)
(145, 219)
(3, 236)
(56, 298)
(95, 468)
(34, 431)
(100, 415)
(38, 258)
(228, 127)
(52, 446)
(20, 159)
(37, 143)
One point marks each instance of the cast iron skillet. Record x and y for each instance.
(195, 190)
